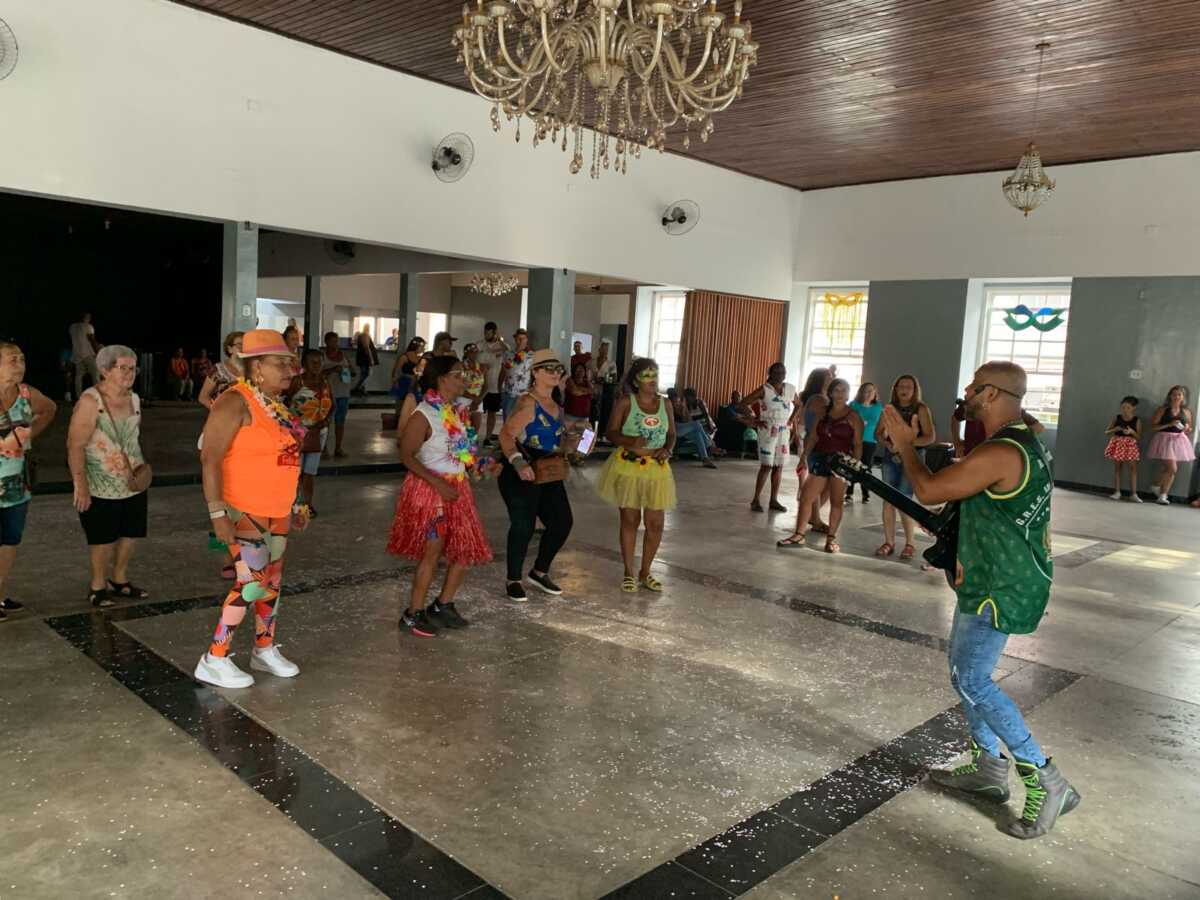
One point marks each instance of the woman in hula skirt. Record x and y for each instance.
(435, 513)
(637, 477)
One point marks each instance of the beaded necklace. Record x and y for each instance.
(283, 416)
(460, 435)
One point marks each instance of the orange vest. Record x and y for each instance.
(261, 469)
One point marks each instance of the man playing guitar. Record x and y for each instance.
(1003, 585)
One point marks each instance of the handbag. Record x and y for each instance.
(547, 469)
(137, 477)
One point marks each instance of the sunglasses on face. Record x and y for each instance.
(552, 369)
(975, 389)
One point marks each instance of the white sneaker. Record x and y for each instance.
(1115, 495)
(221, 671)
(1135, 498)
(1162, 499)
(271, 660)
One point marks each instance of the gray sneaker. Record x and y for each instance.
(1047, 796)
(985, 775)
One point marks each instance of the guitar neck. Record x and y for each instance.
(926, 518)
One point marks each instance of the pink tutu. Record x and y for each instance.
(1171, 445)
(423, 516)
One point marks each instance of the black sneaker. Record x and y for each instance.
(10, 605)
(544, 584)
(418, 624)
(445, 615)
(515, 592)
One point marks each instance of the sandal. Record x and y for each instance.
(887, 548)
(100, 599)
(650, 583)
(629, 584)
(127, 589)
(794, 540)
(756, 507)
(831, 545)
(776, 506)
(908, 552)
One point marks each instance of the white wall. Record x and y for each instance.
(153, 105)
(1128, 217)
(282, 288)
(614, 309)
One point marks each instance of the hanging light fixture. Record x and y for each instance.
(631, 70)
(1028, 187)
(494, 284)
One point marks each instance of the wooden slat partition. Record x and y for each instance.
(728, 343)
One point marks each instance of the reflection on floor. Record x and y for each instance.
(762, 728)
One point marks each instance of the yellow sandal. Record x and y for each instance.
(651, 583)
(629, 584)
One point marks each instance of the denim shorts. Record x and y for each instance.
(12, 523)
(893, 474)
(341, 409)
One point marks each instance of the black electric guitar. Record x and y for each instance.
(941, 523)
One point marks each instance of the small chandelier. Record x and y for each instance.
(1028, 187)
(495, 284)
(631, 70)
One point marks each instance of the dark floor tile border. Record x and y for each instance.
(750, 852)
(390, 856)
(1091, 553)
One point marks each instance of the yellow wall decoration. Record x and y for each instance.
(841, 314)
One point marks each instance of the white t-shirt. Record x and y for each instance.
(340, 378)
(491, 354)
(81, 347)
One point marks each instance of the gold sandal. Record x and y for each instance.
(629, 584)
(651, 583)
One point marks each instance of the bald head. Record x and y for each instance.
(1007, 376)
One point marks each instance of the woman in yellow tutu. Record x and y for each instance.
(637, 477)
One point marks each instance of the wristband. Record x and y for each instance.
(217, 513)
(517, 460)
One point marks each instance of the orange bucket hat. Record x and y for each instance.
(263, 342)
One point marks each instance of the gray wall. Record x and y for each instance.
(917, 327)
(1117, 326)
(470, 310)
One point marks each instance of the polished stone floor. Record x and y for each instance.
(762, 728)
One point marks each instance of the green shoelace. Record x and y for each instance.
(1035, 795)
(973, 766)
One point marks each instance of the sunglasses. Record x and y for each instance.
(553, 369)
(980, 387)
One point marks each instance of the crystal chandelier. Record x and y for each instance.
(631, 70)
(1028, 187)
(495, 283)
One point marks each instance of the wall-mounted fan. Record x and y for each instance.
(8, 50)
(452, 157)
(341, 252)
(680, 217)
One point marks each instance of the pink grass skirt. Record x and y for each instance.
(423, 516)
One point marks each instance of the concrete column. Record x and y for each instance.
(312, 312)
(551, 310)
(407, 309)
(239, 278)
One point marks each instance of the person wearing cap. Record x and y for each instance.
(517, 363)
(104, 453)
(637, 477)
(251, 467)
(443, 344)
(491, 357)
(532, 486)
(435, 512)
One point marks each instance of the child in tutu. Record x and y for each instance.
(435, 513)
(1172, 441)
(1124, 432)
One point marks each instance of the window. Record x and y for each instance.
(836, 332)
(360, 321)
(665, 335)
(429, 324)
(387, 325)
(1027, 324)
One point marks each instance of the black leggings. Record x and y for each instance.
(527, 502)
(868, 454)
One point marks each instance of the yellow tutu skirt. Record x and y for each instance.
(636, 482)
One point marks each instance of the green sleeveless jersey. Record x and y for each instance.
(1004, 542)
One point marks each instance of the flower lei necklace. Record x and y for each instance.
(277, 411)
(460, 436)
(519, 356)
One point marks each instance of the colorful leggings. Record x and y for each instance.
(258, 560)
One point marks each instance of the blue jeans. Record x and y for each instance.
(975, 648)
(893, 474)
(693, 433)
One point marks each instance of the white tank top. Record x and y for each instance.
(435, 452)
(777, 405)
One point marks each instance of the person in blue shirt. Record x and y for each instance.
(868, 407)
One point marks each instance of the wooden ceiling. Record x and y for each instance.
(860, 91)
